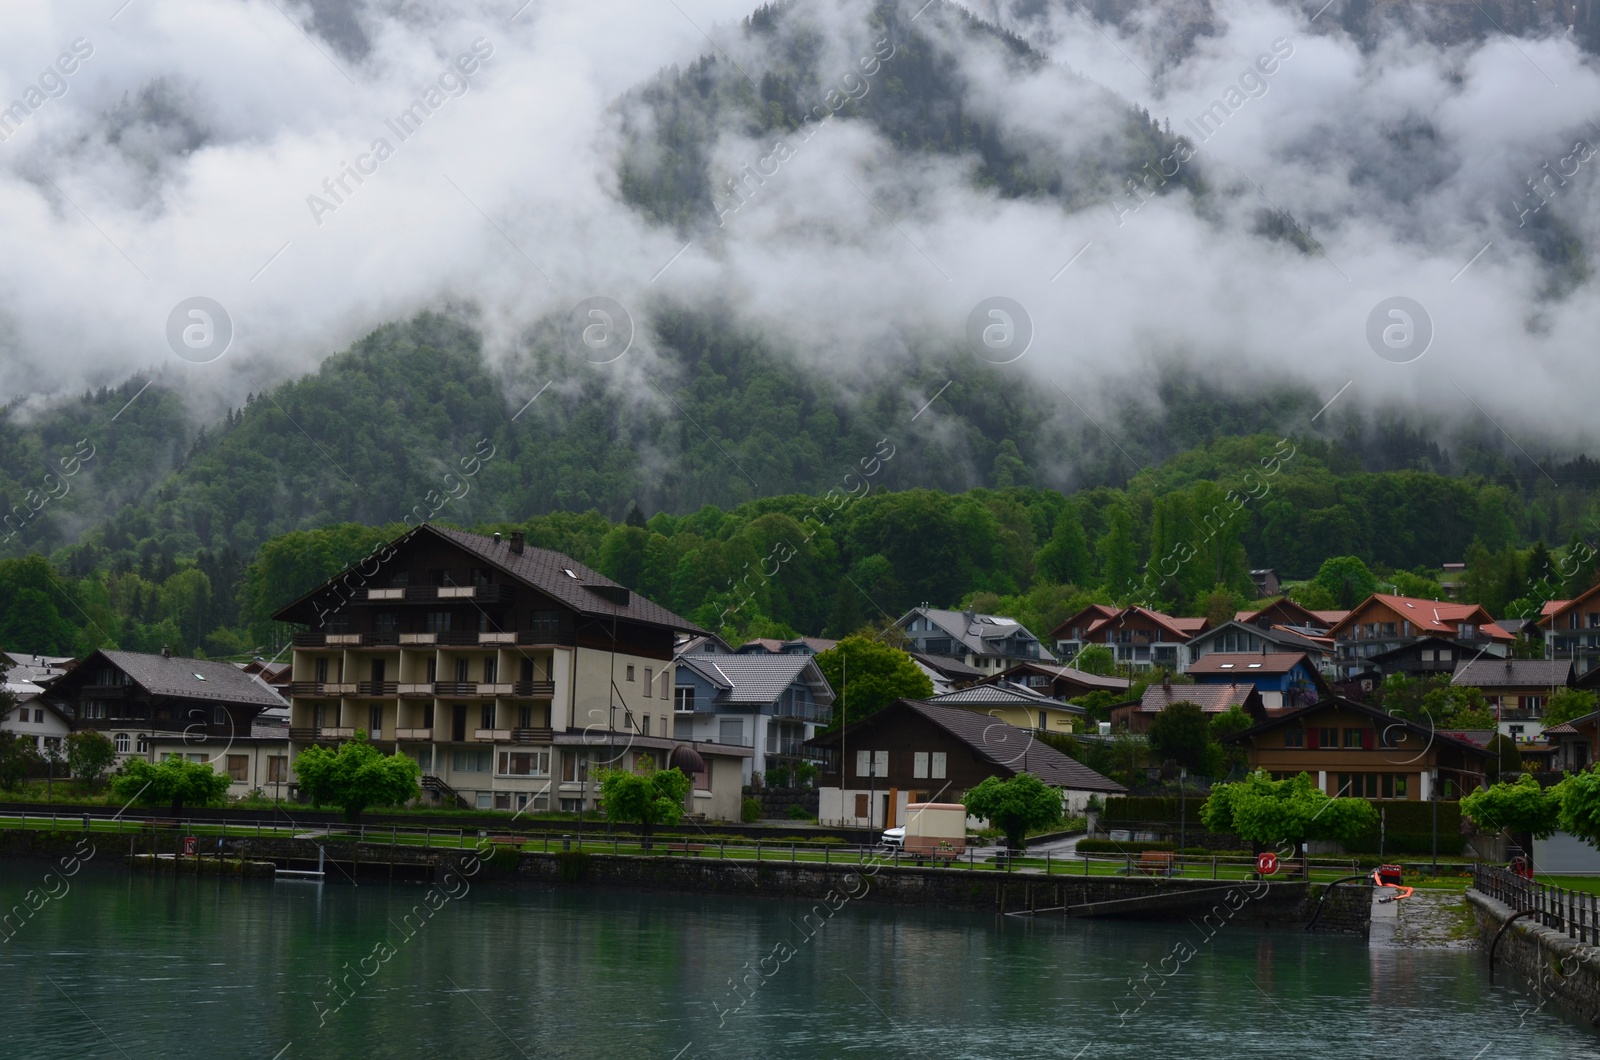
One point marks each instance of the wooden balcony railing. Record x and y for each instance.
(492, 735)
(377, 688)
(534, 689)
(525, 736)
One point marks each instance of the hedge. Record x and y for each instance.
(1110, 846)
(1150, 808)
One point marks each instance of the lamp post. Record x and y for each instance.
(1183, 811)
(1433, 794)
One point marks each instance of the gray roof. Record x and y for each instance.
(1279, 634)
(757, 678)
(214, 682)
(1013, 749)
(947, 665)
(1486, 672)
(1208, 697)
(975, 633)
(1069, 673)
(1001, 694)
(548, 571)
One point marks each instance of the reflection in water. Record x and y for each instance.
(197, 968)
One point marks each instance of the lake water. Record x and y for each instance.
(154, 966)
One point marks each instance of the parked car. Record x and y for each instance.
(895, 837)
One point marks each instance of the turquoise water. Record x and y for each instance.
(152, 966)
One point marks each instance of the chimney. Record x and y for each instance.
(1166, 682)
(166, 652)
(497, 537)
(516, 542)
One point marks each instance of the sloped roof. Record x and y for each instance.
(1097, 611)
(1006, 747)
(973, 634)
(1390, 722)
(1246, 663)
(556, 575)
(946, 665)
(202, 679)
(756, 679)
(1332, 618)
(1211, 698)
(1065, 673)
(1486, 672)
(1282, 635)
(1003, 693)
(1436, 617)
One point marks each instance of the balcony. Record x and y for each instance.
(380, 640)
(459, 638)
(413, 735)
(492, 735)
(415, 639)
(105, 691)
(307, 688)
(348, 640)
(377, 688)
(415, 688)
(497, 638)
(307, 733)
(342, 688)
(526, 736)
(310, 640)
(338, 732)
(534, 689)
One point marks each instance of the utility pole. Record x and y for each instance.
(1183, 811)
(1433, 775)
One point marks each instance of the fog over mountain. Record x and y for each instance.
(232, 151)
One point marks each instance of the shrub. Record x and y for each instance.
(750, 811)
(799, 813)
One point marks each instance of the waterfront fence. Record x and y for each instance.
(1575, 912)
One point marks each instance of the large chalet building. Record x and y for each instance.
(1572, 629)
(990, 643)
(512, 674)
(1381, 623)
(1137, 636)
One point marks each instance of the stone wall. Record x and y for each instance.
(776, 802)
(1553, 967)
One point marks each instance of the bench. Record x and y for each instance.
(1154, 863)
(692, 849)
(509, 840)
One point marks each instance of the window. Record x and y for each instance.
(22, 715)
(730, 730)
(321, 670)
(861, 805)
(339, 623)
(545, 622)
(122, 743)
(491, 670)
(469, 761)
(38, 716)
(385, 622)
(141, 745)
(1328, 738)
(524, 764)
(198, 759)
(484, 800)
(686, 699)
(919, 765)
(95, 709)
(438, 622)
(574, 770)
(863, 766)
(666, 684)
(630, 673)
(375, 721)
(571, 805)
(277, 768)
(1294, 738)
(238, 768)
(880, 763)
(502, 800)
(649, 683)
(644, 725)
(1352, 739)
(487, 716)
(938, 765)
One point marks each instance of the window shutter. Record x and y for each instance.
(1311, 739)
(1366, 739)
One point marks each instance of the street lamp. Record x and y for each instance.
(1183, 811)
(1433, 794)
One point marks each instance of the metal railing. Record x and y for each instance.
(1577, 913)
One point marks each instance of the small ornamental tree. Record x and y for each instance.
(1270, 813)
(17, 757)
(174, 782)
(1095, 659)
(1016, 806)
(1522, 808)
(1579, 799)
(356, 776)
(1179, 734)
(647, 797)
(89, 755)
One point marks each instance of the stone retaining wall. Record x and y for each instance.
(1555, 968)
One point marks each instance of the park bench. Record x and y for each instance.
(692, 849)
(1155, 863)
(509, 840)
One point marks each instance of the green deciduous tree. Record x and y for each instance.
(1226, 757)
(174, 782)
(1065, 558)
(646, 796)
(867, 675)
(1270, 812)
(17, 756)
(1522, 807)
(89, 755)
(1016, 806)
(356, 776)
(1179, 734)
(1346, 579)
(1096, 659)
(1568, 703)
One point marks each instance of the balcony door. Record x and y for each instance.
(458, 723)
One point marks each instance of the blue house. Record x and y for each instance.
(770, 703)
(1284, 679)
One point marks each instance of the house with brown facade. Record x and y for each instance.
(1572, 629)
(1285, 680)
(1351, 748)
(512, 674)
(911, 752)
(1058, 682)
(1382, 623)
(1137, 636)
(1517, 690)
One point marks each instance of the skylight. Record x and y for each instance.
(1254, 666)
(568, 572)
(1225, 666)
(199, 677)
